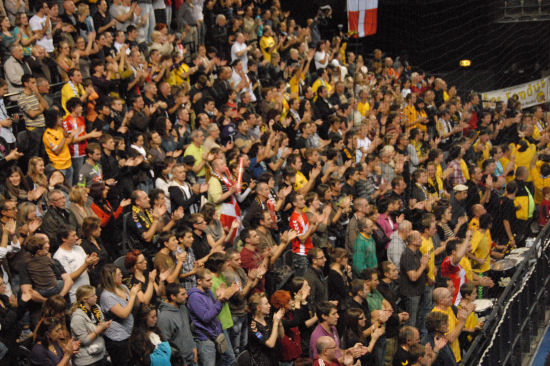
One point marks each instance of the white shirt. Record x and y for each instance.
(319, 56)
(238, 47)
(71, 260)
(236, 79)
(361, 144)
(10, 248)
(36, 23)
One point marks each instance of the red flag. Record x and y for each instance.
(362, 17)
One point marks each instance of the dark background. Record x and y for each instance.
(436, 34)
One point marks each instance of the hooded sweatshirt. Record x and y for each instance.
(203, 310)
(174, 323)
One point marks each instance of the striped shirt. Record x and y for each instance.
(29, 103)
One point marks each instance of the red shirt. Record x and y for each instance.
(300, 224)
(70, 124)
(456, 273)
(252, 260)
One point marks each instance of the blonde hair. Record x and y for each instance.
(37, 178)
(77, 195)
(83, 293)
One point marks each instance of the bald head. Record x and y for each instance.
(440, 295)
(324, 343)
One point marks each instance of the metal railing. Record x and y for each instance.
(519, 316)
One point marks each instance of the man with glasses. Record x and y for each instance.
(58, 217)
(315, 276)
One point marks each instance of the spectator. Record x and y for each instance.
(203, 310)
(74, 260)
(87, 326)
(117, 301)
(263, 332)
(173, 321)
(48, 335)
(58, 217)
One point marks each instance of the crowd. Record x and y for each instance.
(203, 182)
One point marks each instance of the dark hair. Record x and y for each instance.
(435, 320)
(96, 191)
(324, 308)
(51, 116)
(406, 333)
(140, 343)
(73, 103)
(485, 221)
(215, 262)
(172, 289)
(44, 329)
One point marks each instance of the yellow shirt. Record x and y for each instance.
(474, 224)
(464, 168)
(317, 83)
(301, 180)
(481, 248)
(267, 43)
(409, 111)
(428, 248)
(52, 138)
(455, 346)
(175, 77)
(471, 322)
(467, 266)
(524, 158)
(67, 92)
(363, 108)
(539, 182)
(197, 153)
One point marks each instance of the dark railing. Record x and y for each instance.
(518, 318)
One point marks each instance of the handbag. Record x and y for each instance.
(221, 343)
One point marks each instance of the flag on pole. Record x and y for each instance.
(362, 17)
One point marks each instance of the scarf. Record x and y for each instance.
(144, 216)
(94, 314)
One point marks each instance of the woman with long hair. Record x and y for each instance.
(55, 307)
(354, 323)
(48, 349)
(38, 181)
(91, 243)
(107, 214)
(264, 332)
(65, 60)
(146, 342)
(339, 276)
(15, 187)
(117, 302)
(214, 231)
(87, 326)
(8, 37)
(27, 37)
(79, 204)
(136, 263)
(27, 219)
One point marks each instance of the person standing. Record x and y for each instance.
(413, 268)
(173, 321)
(302, 243)
(204, 308)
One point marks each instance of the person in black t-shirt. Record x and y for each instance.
(408, 336)
(413, 269)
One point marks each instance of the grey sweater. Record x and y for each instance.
(90, 351)
(175, 326)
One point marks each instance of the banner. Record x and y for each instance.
(529, 94)
(362, 17)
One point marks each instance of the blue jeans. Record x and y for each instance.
(411, 305)
(77, 165)
(239, 333)
(207, 353)
(424, 309)
(68, 173)
(300, 264)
